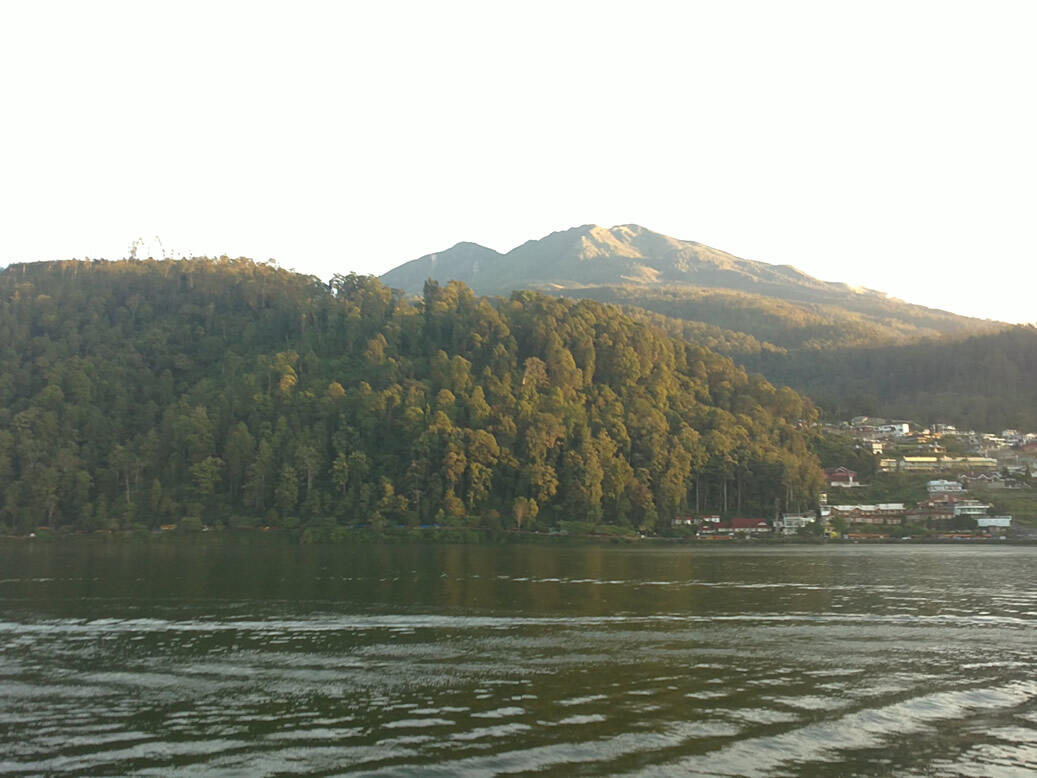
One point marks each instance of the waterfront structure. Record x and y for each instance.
(881, 513)
(791, 523)
(973, 508)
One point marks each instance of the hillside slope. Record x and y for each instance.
(141, 393)
(853, 351)
(984, 382)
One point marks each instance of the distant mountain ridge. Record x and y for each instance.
(593, 255)
(632, 265)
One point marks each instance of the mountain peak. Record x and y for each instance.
(615, 242)
(592, 241)
(467, 245)
(631, 264)
(579, 256)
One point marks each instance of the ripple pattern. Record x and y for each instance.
(497, 662)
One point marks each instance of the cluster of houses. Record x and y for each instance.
(713, 526)
(844, 478)
(908, 448)
(941, 511)
(947, 507)
(878, 435)
(947, 502)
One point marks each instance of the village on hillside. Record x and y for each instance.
(907, 481)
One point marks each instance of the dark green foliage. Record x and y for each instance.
(839, 451)
(984, 382)
(206, 392)
(850, 349)
(779, 323)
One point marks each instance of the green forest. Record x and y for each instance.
(985, 382)
(852, 351)
(143, 393)
(983, 376)
(786, 324)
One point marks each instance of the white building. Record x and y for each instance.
(791, 523)
(971, 508)
(898, 428)
(944, 487)
(1001, 522)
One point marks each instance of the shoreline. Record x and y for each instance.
(469, 536)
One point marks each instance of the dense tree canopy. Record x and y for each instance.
(984, 382)
(778, 325)
(226, 391)
(981, 375)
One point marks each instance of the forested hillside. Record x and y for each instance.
(230, 392)
(984, 382)
(853, 351)
(786, 324)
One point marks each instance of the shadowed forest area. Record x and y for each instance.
(226, 392)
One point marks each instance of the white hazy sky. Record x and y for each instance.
(886, 144)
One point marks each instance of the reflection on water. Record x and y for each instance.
(214, 658)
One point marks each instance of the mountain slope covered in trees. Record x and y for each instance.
(225, 391)
(983, 382)
(853, 351)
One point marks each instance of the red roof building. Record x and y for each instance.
(841, 476)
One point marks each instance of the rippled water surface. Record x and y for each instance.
(213, 658)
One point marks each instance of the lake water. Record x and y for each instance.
(217, 658)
